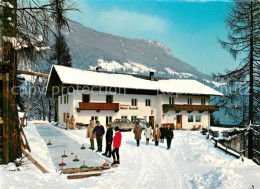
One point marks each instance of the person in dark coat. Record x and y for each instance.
(169, 136)
(162, 131)
(109, 140)
(99, 131)
(116, 146)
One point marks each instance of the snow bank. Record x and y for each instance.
(38, 146)
(192, 162)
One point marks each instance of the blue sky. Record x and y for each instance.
(189, 28)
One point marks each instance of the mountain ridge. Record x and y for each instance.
(89, 46)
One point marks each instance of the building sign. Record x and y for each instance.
(127, 107)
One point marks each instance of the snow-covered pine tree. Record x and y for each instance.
(243, 23)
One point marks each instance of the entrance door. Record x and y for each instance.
(179, 122)
(151, 121)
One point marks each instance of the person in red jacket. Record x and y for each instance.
(116, 145)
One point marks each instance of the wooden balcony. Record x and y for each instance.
(98, 106)
(189, 108)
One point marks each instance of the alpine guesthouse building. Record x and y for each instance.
(105, 96)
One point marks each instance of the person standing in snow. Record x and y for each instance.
(162, 131)
(148, 133)
(116, 146)
(156, 135)
(109, 140)
(138, 133)
(169, 136)
(99, 131)
(72, 122)
(68, 122)
(90, 134)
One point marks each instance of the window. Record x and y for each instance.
(94, 118)
(109, 99)
(61, 100)
(147, 102)
(203, 101)
(134, 102)
(65, 100)
(171, 100)
(124, 121)
(190, 101)
(133, 118)
(108, 119)
(85, 97)
(190, 118)
(123, 117)
(198, 118)
(145, 118)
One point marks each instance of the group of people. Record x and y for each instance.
(70, 122)
(98, 132)
(156, 134)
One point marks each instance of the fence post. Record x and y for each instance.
(250, 143)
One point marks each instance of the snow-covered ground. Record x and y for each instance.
(192, 162)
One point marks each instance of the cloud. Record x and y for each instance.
(131, 21)
(121, 22)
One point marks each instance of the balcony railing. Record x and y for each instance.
(98, 106)
(189, 108)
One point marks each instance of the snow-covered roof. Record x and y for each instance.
(186, 86)
(75, 76)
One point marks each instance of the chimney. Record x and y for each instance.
(98, 69)
(152, 75)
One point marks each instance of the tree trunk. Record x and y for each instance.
(251, 69)
(12, 133)
(43, 109)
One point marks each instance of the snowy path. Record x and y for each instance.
(61, 142)
(192, 162)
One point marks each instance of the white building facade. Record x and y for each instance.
(158, 102)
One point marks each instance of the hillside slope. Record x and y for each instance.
(90, 48)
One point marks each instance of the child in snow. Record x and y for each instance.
(116, 145)
(156, 135)
(148, 133)
(138, 133)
